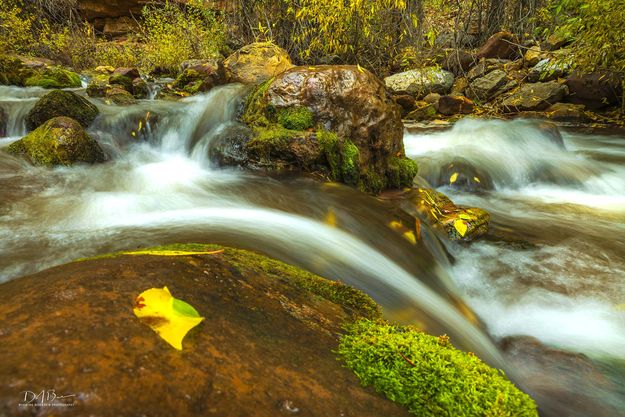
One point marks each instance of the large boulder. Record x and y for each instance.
(256, 63)
(59, 141)
(549, 69)
(334, 119)
(501, 45)
(265, 348)
(420, 82)
(595, 90)
(537, 96)
(489, 86)
(53, 78)
(198, 76)
(61, 103)
(130, 80)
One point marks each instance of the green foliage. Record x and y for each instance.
(255, 113)
(296, 118)
(16, 29)
(350, 167)
(116, 55)
(174, 33)
(427, 375)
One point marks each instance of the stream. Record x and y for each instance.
(553, 270)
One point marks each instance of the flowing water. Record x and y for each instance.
(564, 286)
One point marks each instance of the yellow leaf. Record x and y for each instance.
(476, 179)
(360, 69)
(157, 252)
(330, 219)
(169, 317)
(464, 216)
(453, 178)
(461, 227)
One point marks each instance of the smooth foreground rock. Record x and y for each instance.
(59, 141)
(61, 103)
(256, 63)
(335, 120)
(266, 346)
(537, 96)
(420, 82)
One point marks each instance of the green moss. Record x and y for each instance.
(54, 78)
(372, 182)
(355, 302)
(350, 163)
(427, 375)
(271, 141)
(122, 80)
(255, 113)
(295, 118)
(329, 142)
(61, 103)
(401, 172)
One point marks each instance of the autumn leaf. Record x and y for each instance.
(461, 227)
(162, 252)
(169, 317)
(330, 218)
(453, 178)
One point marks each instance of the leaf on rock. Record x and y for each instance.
(159, 252)
(169, 317)
(461, 227)
(453, 178)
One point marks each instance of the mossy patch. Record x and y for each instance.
(54, 78)
(401, 172)
(355, 302)
(123, 81)
(295, 118)
(343, 157)
(427, 375)
(271, 142)
(255, 113)
(61, 103)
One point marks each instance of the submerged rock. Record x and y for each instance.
(420, 82)
(256, 63)
(335, 120)
(61, 103)
(59, 141)
(462, 175)
(457, 223)
(266, 346)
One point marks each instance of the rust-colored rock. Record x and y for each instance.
(450, 105)
(265, 346)
(500, 45)
(256, 63)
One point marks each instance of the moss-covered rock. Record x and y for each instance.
(199, 76)
(256, 62)
(59, 141)
(53, 78)
(61, 103)
(338, 121)
(427, 375)
(119, 96)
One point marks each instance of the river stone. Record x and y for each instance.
(492, 84)
(457, 61)
(256, 63)
(537, 96)
(548, 70)
(450, 105)
(462, 175)
(500, 45)
(420, 82)
(199, 76)
(61, 103)
(266, 346)
(119, 96)
(595, 90)
(567, 112)
(4, 119)
(59, 141)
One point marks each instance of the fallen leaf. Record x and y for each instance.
(157, 252)
(330, 218)
(453, 178)
(476, 179)
(169, 317)
(461, 227)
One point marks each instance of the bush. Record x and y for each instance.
(427, 374)
(174, 33)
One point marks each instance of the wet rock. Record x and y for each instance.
(595, 90)
(457, 223)
(3, 122)
(549, 69)
(140, 88)
(119, 96)
(567, 112)
(53, 78)
(450, 105)
(420, 82)
(97, 86)
(229, 148)
(199, 76)
(61, 103)
(267, 341)
(500, 45)
(338, 118)
(256, 63)
(488, 87)
(537, 96)
(130, 80)
(59, 141)
(551, 131)
(460, 174)
(422, 111)
(406, 101)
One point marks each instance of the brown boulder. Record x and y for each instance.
(595, 90)
(500, 45)
(265, 348)
(450, 105)
(536, 96)
(567, 112)
(256, 63)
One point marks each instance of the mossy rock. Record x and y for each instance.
(54, 78)
(122, 80)
(119, 96)
(427, 375)
(59, 141)
(11, 71)
(296, 118)
(61, 103)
